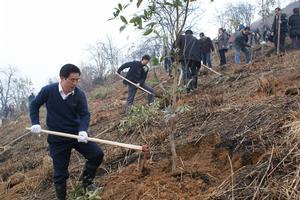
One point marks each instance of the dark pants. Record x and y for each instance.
(296, 42)
(281, 41)
(61, 152)
(206, 59)
(168, 65)
(222, 56)
(195, 71)
(132, 91)
(190, 70)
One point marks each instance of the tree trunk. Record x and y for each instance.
(172, 122)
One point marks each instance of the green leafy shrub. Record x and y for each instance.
(138, 116)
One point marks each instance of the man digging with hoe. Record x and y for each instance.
(67, 111)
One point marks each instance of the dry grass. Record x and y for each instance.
(267, 85)
(275, 176)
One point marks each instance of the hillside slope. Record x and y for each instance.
(239, 139)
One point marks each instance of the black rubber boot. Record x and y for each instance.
(88, 176)
(61, 191)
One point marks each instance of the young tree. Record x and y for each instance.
(236, 14)
(21, 89)
(247, 11)
(5, 90)
(103, 60)
(221, 19)
(265, 8)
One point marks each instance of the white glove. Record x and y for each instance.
(36, 129)
(83, 136)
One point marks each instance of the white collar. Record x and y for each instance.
(61, 91)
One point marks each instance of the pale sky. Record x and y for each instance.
(39, 36)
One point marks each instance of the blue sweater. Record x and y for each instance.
(70, 115)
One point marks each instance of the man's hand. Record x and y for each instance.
(83, 136)
(36, 129)
(138, 84)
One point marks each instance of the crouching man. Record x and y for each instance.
(137, 74)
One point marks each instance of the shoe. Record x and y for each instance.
(61, 191)
(88, 176)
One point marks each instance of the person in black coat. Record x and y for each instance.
(294, 22)
(222, 45)
(190, 59)
(137, 74)
(280, 18)
(206, 47)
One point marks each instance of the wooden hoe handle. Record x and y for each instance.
(129, 146)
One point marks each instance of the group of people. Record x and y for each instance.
(67, 108)
(282, 26)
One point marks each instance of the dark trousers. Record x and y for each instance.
(132, 91)
(222, 56)
(61, 152)
(296, 42)
(190, 70)
(206, 59)
(168, 65)
(195, 71)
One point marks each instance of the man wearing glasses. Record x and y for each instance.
(67, 111)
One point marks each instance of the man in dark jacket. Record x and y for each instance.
(222, 45)
(241, 44)
(67, 111)
(137, 73)
(190, 59)
(206, 47)
(280, 18)
(294, 22)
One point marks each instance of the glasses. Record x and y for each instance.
(73, 80)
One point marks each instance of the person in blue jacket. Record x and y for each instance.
(137, 74)
(67, 111)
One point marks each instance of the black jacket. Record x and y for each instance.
(137, 72)
(294, 22)
(241, 40)
(189, 48)
(206, 45)
(283, 24)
